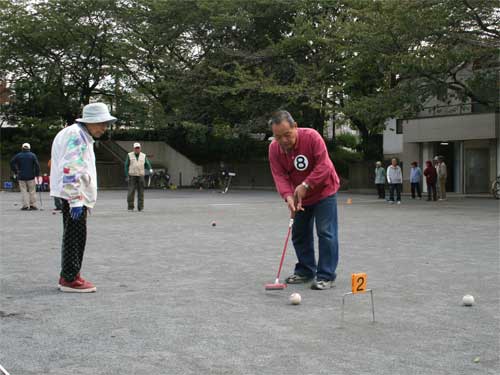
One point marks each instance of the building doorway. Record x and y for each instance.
(477, 166)
(447, 151)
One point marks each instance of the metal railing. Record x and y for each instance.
(115, 149)
(455, 109)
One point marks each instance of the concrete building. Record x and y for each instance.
(466, 135)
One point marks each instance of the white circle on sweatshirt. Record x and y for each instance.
(301, 163)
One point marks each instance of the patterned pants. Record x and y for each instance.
(73, 243)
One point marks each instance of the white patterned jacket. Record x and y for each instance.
(73, 174)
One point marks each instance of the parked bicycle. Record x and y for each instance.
(495, 188)
(206, 181)
(160, 179)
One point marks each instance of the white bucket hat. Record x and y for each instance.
(96, 112)
(137, 145)
(26, 146)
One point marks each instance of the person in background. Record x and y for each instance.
(380, 180)
(435, 162)
(430, 178)
(45, 182)
(136, 164)
(442, 176)
(395, 179)
(415, 178)
(26, 170)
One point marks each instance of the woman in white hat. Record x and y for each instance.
(73, 178)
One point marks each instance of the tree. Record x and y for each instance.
(55, 54)
(221, 66)
(401, 53)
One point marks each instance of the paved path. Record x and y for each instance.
(178, 296)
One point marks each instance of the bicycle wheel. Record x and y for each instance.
(496, 190)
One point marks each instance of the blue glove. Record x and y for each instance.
(76, 213)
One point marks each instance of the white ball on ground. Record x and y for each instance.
(468, 300)
(295, 298)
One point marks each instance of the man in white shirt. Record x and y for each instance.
(395, 179)
(136, 165)
(73, 178)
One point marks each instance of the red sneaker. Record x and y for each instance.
(61, 280)
(78, 285)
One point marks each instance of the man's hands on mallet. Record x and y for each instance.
(291, 205)
(299, 194)
(295, 202)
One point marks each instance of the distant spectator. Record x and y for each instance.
(136, 165)
(442, 176)
(415, 178)
(436, 166)
(45, 182)
(380, 180)
(395, 179)
(430, 178)
(26, 168)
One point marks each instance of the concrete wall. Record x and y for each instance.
(489, 145)
(362, 177)
(249, 175)
(110, 175)
(497, 130)
(4, 172)
(180, 168)
(450, 128)
(392, 142)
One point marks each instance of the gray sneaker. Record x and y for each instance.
(297, 279)
(322, 284)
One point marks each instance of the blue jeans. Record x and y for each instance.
(325, 214)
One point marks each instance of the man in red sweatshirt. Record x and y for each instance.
(306, 179)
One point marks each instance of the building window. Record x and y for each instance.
(399, 126)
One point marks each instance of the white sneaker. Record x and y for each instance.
(322, 284)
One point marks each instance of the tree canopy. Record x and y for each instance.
(223, 65)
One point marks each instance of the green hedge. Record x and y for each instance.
(38, 136)
(193, 140)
